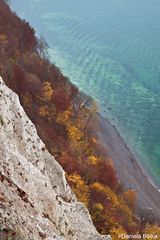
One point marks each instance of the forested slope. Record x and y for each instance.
(64, 120)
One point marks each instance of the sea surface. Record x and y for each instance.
(111, 50)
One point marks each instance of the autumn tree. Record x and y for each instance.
(66, 121)
(61, 99)
(19, 78)
(69, 163)
(79, 187)
(151, 232)
(27, 101)
(107, 173)
(116, 232)
(47, 91)
(130, 197)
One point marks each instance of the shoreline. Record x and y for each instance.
(129, 170)
(130, 149)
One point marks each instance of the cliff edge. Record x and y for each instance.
(35, 199)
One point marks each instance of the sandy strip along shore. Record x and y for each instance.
(129, 171)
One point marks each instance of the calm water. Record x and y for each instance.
(111, 50)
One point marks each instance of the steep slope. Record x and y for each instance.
(35, 199)
(133, 176)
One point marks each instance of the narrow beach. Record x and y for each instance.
(129, 171)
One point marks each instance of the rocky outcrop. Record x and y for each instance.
(35, 199)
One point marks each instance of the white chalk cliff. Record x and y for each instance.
(35, 199)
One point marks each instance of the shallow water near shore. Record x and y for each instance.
(110, 50)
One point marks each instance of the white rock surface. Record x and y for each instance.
(35, 198)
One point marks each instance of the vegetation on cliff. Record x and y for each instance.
(64, 120)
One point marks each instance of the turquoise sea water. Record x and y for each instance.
(111, 50)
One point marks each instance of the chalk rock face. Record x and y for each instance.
(35, 199)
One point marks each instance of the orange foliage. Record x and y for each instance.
(44, 111)
(69, 163)
(130, 197)
(61, 99)
(65, 121)
(115, 232)
(93, 160)
(27, 100)
(107, 173)
(151, 231)
(75, 134)
(3, 38)
(79, 187)
(47, 91)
